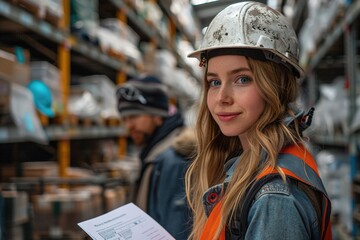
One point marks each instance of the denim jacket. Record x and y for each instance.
(279, 211)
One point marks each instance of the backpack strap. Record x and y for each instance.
(246, 204)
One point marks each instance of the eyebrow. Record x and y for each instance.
(237, 70)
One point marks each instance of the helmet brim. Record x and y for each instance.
(299, 71)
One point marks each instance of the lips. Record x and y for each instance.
(226, 117)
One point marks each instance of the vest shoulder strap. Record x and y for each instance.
(297, 164)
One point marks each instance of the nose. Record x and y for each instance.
(225, 95)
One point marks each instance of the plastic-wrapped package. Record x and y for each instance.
(24, 114)
(50, 75)
(40, 6)
(181, 85)
(183, 11)
(165, 58)
(83, 104)
(97, 97)
(322, 16)
(84, 19)
(108, 40)
(112, 42)
(184, 48)
(55, 7)
(332, 109)
(151, 12)
(121, 29)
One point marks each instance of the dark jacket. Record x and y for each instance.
(161, 140)
(167, 199)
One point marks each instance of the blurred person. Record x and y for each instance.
(252, 177)
(143, 104)
(167, 198)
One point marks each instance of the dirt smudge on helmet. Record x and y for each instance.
(218, 34)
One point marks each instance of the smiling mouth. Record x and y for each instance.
(227, 117)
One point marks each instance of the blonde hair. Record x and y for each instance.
(279, 88)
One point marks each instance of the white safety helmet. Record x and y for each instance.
(252, 29)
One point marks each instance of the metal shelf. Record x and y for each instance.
(149, 32)
(153, 34)
(14, 135)
(59, 36)
(181, 29)
(96, 54)
(332, 140)
(351, 14)
(28, 20)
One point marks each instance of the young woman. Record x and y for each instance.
(253, 177)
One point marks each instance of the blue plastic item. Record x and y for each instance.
(42, 97)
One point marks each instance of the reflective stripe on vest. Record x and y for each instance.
(296, 162)
(212, 224)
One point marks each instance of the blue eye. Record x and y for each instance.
(214, 83)
(243, 80)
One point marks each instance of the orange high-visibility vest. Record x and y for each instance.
(291, 160)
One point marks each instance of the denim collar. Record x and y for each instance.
(231, 164)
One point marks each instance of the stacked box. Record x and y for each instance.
(39, 169)
(11, 69)
(50, 75)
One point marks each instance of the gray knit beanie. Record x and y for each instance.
(144, 95)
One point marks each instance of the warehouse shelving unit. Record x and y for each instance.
(56, 44)
(338, 54)
(69, 44)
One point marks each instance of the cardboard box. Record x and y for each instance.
(13, 71)
(40, 169)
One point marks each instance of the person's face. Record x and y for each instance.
(233, 98)
(141, 127)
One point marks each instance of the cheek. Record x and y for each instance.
(210, 100)
(146, 126)
(254, 102)
(257, 104)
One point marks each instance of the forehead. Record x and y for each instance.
(139, 117)
(227, 63)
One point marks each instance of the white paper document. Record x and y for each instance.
(127, 222)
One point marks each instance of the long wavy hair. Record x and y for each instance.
(278, 87)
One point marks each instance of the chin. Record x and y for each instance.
(138, 142)
(229, 133)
